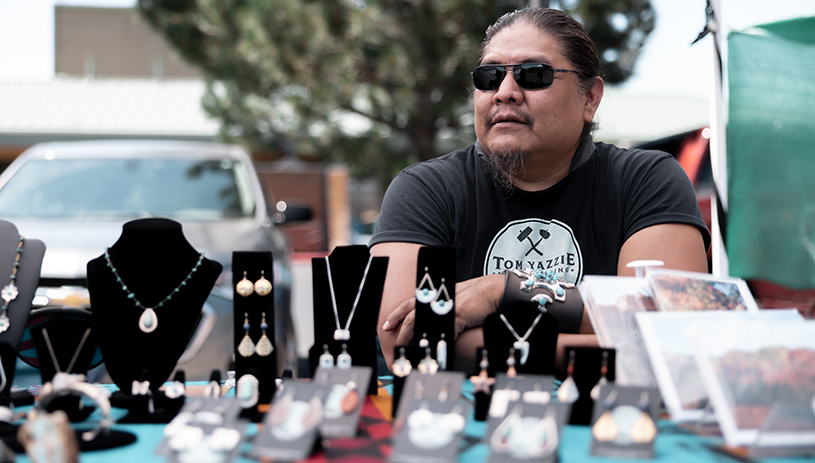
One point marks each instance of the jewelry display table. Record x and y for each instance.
(673, 444)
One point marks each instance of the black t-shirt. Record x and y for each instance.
(575, 228)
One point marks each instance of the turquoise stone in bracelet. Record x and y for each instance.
(148, 322)
(10, 292)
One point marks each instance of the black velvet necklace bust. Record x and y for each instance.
(152, 257)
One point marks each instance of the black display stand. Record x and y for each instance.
(255, 264)
(587, 364)
(347, 268)
(27, 280)
(72, 335)
(440, 262)
(153, 257)
(542, 340)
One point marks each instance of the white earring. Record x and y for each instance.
(425, 294)
(442, 306)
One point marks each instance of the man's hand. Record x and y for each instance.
(475, 299)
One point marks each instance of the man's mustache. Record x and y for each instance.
(516, 115)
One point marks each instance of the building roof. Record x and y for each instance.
(70, 108)
(625, 118)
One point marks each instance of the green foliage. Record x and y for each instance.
(377, 84)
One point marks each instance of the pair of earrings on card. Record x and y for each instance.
(427, 293)
(262, 287)
(428, 365)
(568, 393)
(342, 398)
(608, 427)
(526, 437)
(264, 347)
(327, 360)
(502, 398)
(291, 419)
(430, 430)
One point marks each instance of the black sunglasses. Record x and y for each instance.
(531, 76)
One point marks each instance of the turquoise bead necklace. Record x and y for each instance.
(10, 292)
(148, 321)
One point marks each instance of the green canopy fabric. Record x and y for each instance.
(771, 153)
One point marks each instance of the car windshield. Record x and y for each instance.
(113, 187)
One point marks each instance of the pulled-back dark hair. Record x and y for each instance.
(574, 43)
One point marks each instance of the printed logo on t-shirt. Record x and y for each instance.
(536, 244)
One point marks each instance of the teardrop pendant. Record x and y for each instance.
(246, 347)
(567, 392)
(148, 322)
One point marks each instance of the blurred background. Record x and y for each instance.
(332, 99)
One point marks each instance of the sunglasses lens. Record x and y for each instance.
(534, 76)
(531, 76)
(488, 78)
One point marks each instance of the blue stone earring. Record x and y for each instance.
(439, 305)
(264, 346)
(246, 347)
(426, 294)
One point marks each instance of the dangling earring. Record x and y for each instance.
(427, 365)
(244, 287)
(644, 429)
(424, 343)
(264, 346)
(263, 286)
(511, 373)
(246, 347)
(567, 392)
(326, 360)
(401, 367)
(502, 436)
(441, 353)
(595, 391)
(543, 439)
(482, 382)
(605, 428)
(425, 295)
(344, 359)
(442, 306)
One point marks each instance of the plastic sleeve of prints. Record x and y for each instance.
(567, 313)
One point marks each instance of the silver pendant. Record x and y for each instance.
(4, 322)
(342, 335)
(148, 322)
(523, 348)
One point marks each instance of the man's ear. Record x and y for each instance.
(593, 97)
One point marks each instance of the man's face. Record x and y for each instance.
(543, 123)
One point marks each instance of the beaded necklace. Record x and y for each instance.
(148, 321)
(10, 292)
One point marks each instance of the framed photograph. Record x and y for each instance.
(612, 302)
(678, 291)
(752, 367)
(671, 353)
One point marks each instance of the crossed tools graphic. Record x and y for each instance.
(524, 235)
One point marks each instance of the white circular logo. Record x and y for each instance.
(536, 244)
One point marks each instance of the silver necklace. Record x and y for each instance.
(54, 355)
(148, 321)
(521, 344)
(10, 292)
(344, 334)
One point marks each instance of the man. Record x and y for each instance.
(534, 190)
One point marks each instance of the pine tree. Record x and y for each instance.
(377, 84)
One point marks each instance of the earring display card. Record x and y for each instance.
(507, 392)
(529, 431)
(435, 301)
(431, 430)
(343, 402)
(444, 385)
(290, 429)
(623, 423)
(588, 367)
(253, 318)
(205, 429)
